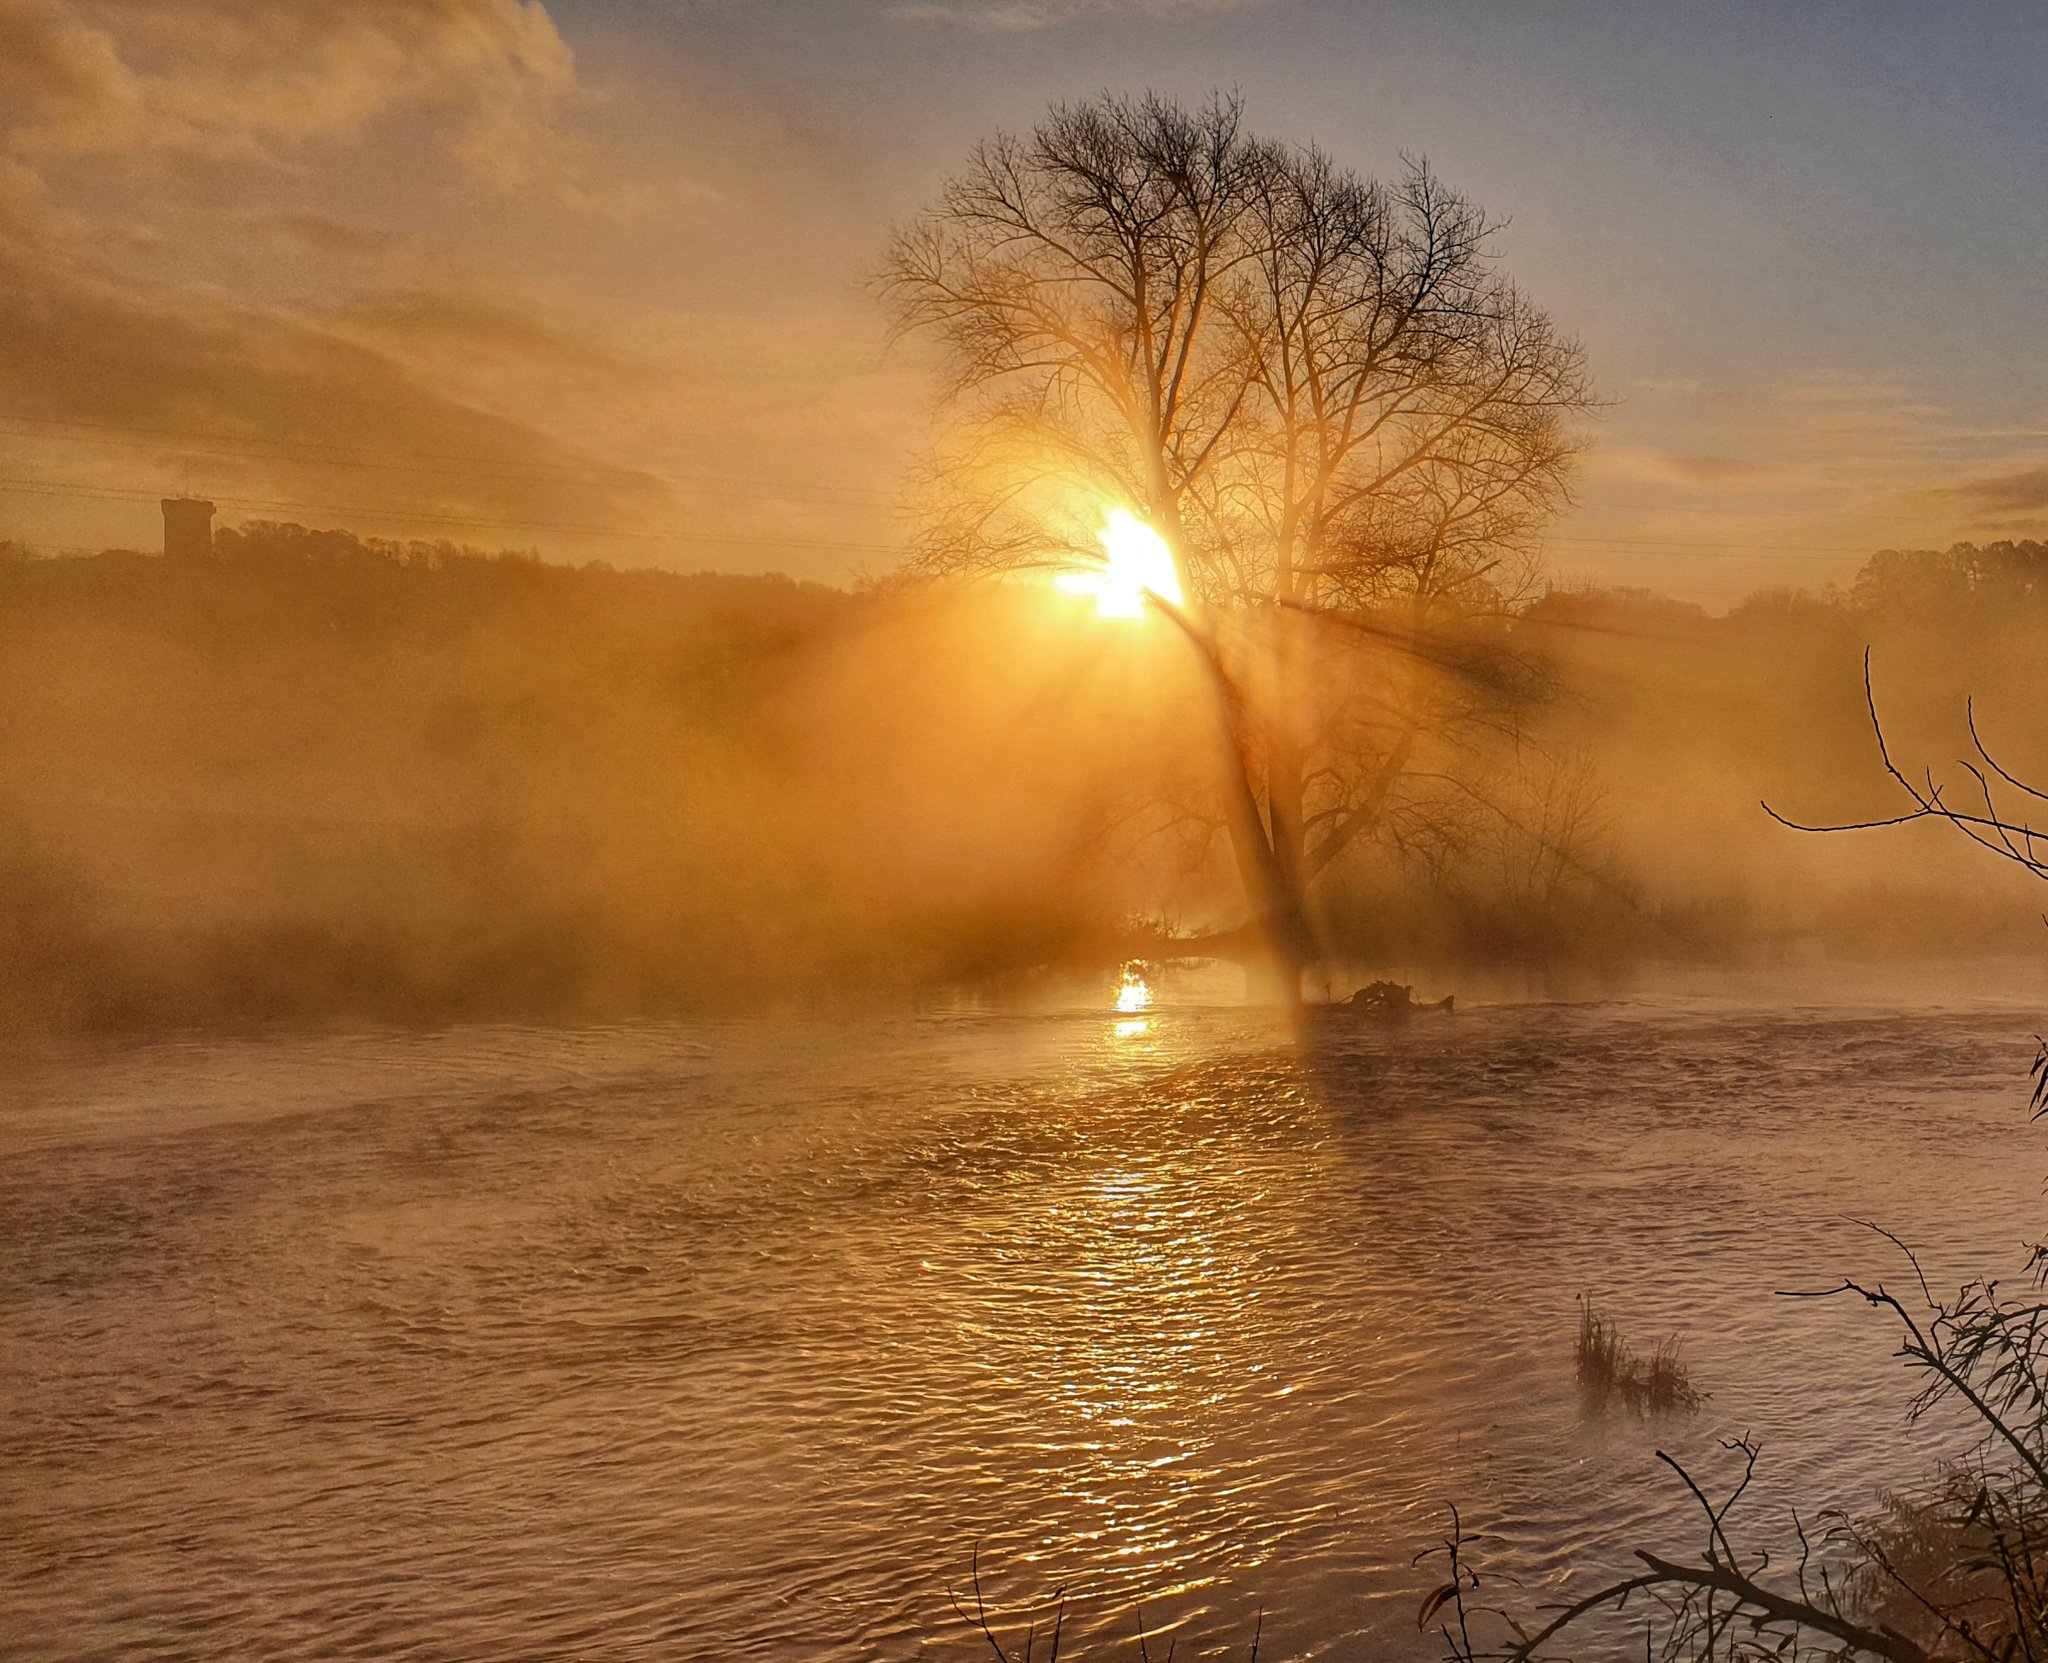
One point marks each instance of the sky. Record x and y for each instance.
(594, 277)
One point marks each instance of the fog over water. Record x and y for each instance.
(835, 830)
(724, 1339)
(317, 779)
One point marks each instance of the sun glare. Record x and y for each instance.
(1136, 564)
(1133, 995)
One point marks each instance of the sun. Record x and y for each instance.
(1136, 566)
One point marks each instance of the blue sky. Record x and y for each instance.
(612, 253)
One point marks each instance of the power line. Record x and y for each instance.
(483, 471)
(68, 489)
(338, 455)
(209, 437)
(852, 545)
(1805, 551)
(347, 456)
(799, 493)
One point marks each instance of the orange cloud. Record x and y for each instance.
(226, 258)
(250, 78)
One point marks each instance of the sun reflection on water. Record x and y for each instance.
(1158, 1369)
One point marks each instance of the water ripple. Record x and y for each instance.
(727, 1342)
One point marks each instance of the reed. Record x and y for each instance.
(1611, 1369)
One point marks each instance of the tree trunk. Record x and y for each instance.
(1266, 841)
(1290, 924)
(1280, 919)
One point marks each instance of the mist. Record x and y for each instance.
(841, 830)
(317, 776)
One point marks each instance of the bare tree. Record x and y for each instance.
(1320, 391)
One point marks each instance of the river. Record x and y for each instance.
(745, 1340)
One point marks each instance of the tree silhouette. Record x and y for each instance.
(1320, 390)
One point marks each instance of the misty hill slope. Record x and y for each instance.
(318, 775)
(324, 777)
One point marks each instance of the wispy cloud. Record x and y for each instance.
(1644, 464)
(1716, 489)
(2020, 491)
(1022, 16)
(269, 404)
(293, 352)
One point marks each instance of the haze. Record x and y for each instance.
(591, 277)
(1024, 828)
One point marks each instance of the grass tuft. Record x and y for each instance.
(1611, 1369)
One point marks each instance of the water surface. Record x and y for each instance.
(742, 1340)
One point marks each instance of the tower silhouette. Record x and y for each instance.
(188, 528)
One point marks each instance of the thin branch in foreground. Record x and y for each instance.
(2004, 835)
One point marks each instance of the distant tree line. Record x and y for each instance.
(1990, 571)
(328, 774)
